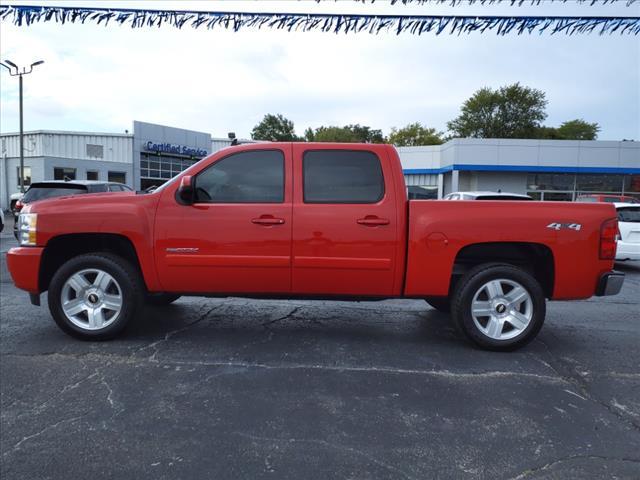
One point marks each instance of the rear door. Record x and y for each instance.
(344, 221)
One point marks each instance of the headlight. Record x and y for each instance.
(27, 229)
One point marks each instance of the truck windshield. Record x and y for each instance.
(42, 192)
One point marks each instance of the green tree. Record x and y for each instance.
(572, 130)
(514, 111)
(578, 130)
(548, 133)
(348, 134)
(274, 128)
(415, 134)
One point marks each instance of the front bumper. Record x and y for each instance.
(610, 284)
(24, 266)
(627, 251)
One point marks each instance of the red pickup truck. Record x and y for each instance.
(311, 220)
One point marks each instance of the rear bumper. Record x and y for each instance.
(24, 266)
(610, 284)
(627, 251)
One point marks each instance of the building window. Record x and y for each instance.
(419, 192)
(551, 181)
(599, 183)
(632, 183)
(95, 151)
(92, 175)
(162, 167)
(119, 177)
(27, 176)
(342, 176)
(63, 173)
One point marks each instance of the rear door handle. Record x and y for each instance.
(372, 221)
(267, 220)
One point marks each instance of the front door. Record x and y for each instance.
(236, 237)
(345, 225)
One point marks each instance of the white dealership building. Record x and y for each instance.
(152, 153)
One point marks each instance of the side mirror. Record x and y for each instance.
(185, 193)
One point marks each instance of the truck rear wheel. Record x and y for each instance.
(499, 306)
(95, 296)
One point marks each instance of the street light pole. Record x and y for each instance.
(21, 140)
(15, 71)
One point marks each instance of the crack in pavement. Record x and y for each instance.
(120, 359)
(285, 317)
(39, 408)
(566, 372)
(549, 465)
(37, 434)
(329, 445)
(168, 335)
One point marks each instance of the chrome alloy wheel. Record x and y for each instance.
(91, 299)
(502, 309)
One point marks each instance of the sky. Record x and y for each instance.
(101, 79)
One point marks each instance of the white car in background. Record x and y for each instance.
(14, 199)
(629, 225)
(486, 196)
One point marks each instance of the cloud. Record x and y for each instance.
(101, 79)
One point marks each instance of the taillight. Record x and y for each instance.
(608, 239)
(18, 206)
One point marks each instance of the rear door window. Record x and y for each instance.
(629, 215)
(342, 176)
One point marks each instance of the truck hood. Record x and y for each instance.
(76, 201)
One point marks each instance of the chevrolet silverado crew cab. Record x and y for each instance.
(311, 220)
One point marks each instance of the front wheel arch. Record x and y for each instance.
(62, 248)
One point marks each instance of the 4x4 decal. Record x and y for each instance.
(559, 226)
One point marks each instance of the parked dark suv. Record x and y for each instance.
(61, 188)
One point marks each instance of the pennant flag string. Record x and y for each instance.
(519, 3)
(25, 15)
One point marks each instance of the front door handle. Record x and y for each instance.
(267, 220)
(372, 221)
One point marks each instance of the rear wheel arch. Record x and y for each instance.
(535, 258)
(62, 248)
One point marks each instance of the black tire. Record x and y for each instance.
(129, 283)
(471, 284)
(442, 304)
(160, 298)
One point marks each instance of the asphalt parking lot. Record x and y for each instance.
(236, 388)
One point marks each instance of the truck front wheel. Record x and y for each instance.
(95, 296)
(498, 306)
